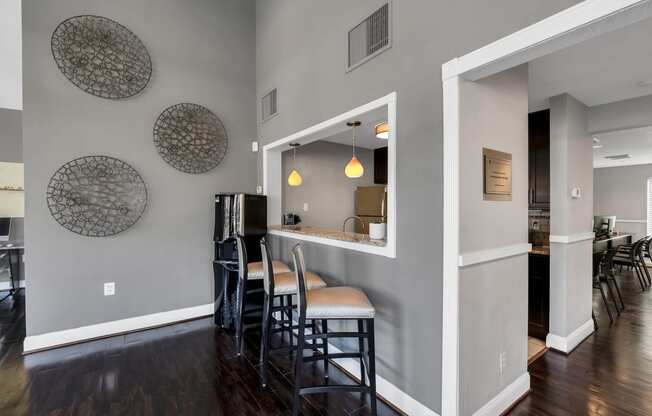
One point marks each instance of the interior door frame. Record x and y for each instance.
(569, 27)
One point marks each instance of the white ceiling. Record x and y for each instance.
(613, 67)
(636, 142)
(609, 68)
(365, 136)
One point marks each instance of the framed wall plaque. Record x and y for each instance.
(497, 172)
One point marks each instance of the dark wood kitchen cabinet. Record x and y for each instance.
(538, 295)
(539, 159)
(380, 166)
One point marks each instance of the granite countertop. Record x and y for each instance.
(540, 250)
(328, 233)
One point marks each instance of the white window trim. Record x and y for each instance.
(273, 177)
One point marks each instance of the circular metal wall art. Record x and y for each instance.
(96, 196)
(190, 138)
(101, 56)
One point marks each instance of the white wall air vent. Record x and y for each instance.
(370, 38)
(618, 157)
(269, 105)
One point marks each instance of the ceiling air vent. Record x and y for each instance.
(269, 105)
(370, 38)
(618, 157)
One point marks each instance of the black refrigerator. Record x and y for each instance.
(235, 214)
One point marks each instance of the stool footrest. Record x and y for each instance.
(329, 356)
(337, 335)
(332, 388)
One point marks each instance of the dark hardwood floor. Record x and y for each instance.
(610, 373)
(185, 369)
(191, 369)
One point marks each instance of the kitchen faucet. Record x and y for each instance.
(355, 217)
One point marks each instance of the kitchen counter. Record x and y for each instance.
(540, 250)
(328, 233)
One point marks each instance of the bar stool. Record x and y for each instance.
(248, 272)
(337, 304)
(281, 287)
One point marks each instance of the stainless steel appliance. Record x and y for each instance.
(235, 214)
(370, 203)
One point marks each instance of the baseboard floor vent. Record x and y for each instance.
(269, 105)
(370, 38)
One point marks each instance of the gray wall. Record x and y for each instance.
(11, 136)
(11, 150)
(203, 52)
(571, 165)
(301, 50)
(329, 193)
(622, 191)
(494, 115)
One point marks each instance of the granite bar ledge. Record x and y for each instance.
(329, 233)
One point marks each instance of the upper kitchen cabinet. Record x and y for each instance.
(380, 166)
(539, 160)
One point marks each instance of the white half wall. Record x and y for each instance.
(11, 70)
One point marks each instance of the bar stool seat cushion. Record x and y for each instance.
(255, 269)
(338, 303)
(286, 283)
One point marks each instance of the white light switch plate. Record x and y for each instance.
(109, 289)
(306, 207)
(254, 146)
(259, 189)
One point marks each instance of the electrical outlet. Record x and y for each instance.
(109, 289)
(254, 146)
(502, 362)
(305, 207)
(259, 189)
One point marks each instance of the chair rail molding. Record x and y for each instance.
(572, 238)
(484, 256)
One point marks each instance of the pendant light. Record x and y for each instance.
(354, 168)
(294, 179)
(382, 130)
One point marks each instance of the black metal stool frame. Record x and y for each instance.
(241, 296)
(285, 308)
(299, 389)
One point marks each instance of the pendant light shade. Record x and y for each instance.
(295, 178)
(382, 130)
(354, 168)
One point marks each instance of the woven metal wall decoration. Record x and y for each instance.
(96, 196)
(101, 56)
(190, 138)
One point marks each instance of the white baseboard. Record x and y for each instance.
(390, 392)
(568, 344)
(506, 398)
(7, 285)
(397, 397)
(35, 343)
